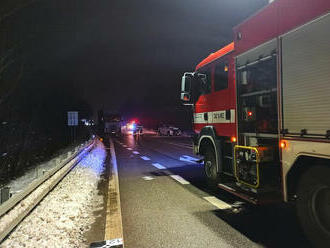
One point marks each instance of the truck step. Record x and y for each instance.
(257, 199)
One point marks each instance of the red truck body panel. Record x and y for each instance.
(276, 19)
(272, 21)
(218, 100)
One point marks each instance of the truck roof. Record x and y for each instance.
(218, 54)
(111, 117)
(275, 19)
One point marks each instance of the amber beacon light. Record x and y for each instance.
(283, 144)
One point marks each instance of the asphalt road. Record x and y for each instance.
(166, 202)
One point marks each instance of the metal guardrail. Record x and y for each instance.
(59, 171)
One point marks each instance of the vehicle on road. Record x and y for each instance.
(134, 128)
(138, 130)
(112, 124)
(261, 111)
(169, 130)
(109, 123)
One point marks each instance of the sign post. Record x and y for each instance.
(72, 123)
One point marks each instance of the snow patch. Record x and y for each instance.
(62, 217)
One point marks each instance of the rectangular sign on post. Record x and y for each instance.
(72, 118)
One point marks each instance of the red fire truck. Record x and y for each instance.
(262, 111)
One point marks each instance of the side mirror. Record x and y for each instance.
(185, 97)
(186, 88)
(192, 86)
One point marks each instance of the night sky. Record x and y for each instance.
(126, 56)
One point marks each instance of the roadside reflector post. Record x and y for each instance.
(5, 194)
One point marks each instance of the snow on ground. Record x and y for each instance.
(62, 217)
(18, 184)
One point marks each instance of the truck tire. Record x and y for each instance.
(210, 167)
(313, 205)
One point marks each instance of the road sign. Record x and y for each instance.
(72, 118)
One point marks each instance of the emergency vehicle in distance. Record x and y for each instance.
(262, 111)
(110, 123)
(134, 127)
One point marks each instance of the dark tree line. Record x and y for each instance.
(33, 100)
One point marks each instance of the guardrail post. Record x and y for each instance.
(5, 194)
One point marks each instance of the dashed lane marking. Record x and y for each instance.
(189, 159)
(159, 166)
(217, 202)
(147, 178)
(145, 158)
(179, 179)
(130, 149)
(136, 152)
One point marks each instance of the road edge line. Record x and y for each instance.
(113, 222)
(220, 204)
(180, 179)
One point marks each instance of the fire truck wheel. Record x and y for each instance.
(313, 205)
(210, 167)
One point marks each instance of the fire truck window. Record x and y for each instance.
(207, 87)
(221, 77)
(261, 76)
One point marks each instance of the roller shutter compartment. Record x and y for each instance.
(306, 77)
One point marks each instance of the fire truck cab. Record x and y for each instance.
(262, 111)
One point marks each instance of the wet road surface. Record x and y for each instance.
(166, 202)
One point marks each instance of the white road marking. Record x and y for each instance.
(124, 145)
(159, 166)
(147, 178)
(218, 203)
(179, 179)
(145, 158)
(238, 204)
(130, 149)
(136, 152)
(189, 159)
